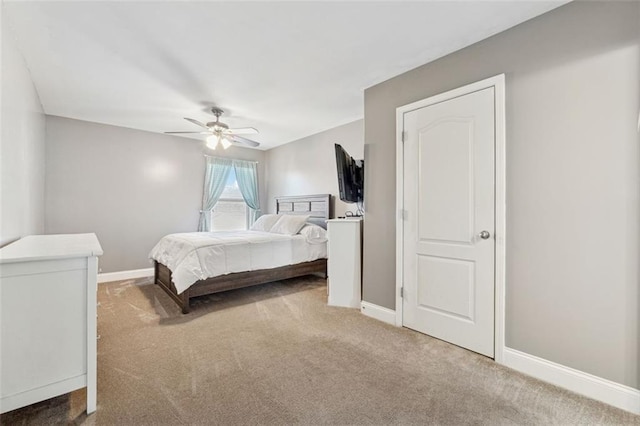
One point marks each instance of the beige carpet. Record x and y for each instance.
(277, 354)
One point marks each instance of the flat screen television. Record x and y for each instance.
(350, 176)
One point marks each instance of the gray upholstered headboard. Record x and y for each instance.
(317, 206)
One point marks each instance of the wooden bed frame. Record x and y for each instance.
(319, 209)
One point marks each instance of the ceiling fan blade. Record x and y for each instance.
(184, 133)
(243, 141)
(196, 122)
(242, 131)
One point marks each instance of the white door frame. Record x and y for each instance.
(498, 83)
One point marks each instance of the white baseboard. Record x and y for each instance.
(125, 275)
(378, 312)
(612, 393)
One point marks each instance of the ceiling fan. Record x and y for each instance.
(220, 133)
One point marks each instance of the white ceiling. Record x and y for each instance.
(290, 69)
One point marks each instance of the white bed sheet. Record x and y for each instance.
(196, 256)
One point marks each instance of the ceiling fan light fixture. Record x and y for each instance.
(219, 133)
(212, 142)
(225, 142)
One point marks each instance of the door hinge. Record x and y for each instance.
(403, 136)
(401, 292)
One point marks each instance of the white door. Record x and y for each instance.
(449, 220)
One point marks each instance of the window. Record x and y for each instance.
(230, 212)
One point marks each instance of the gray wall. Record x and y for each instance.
(308, 165)
(22, 139)
(128, 186)
(572, 84)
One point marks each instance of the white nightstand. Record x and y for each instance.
(345, 265)
(48, 318)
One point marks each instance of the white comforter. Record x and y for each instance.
(199, 255)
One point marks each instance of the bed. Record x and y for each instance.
(317, 207)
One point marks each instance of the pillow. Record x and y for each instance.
(289, 224)
(265, 222)
(314, 234)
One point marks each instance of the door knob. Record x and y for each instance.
(484, 235)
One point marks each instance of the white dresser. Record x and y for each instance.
(345, 264)
(48, 347)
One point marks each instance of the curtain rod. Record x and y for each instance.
(229, 158)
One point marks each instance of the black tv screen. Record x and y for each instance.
(350, 176)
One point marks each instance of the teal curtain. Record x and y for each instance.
(215, 177)
(247, 178)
